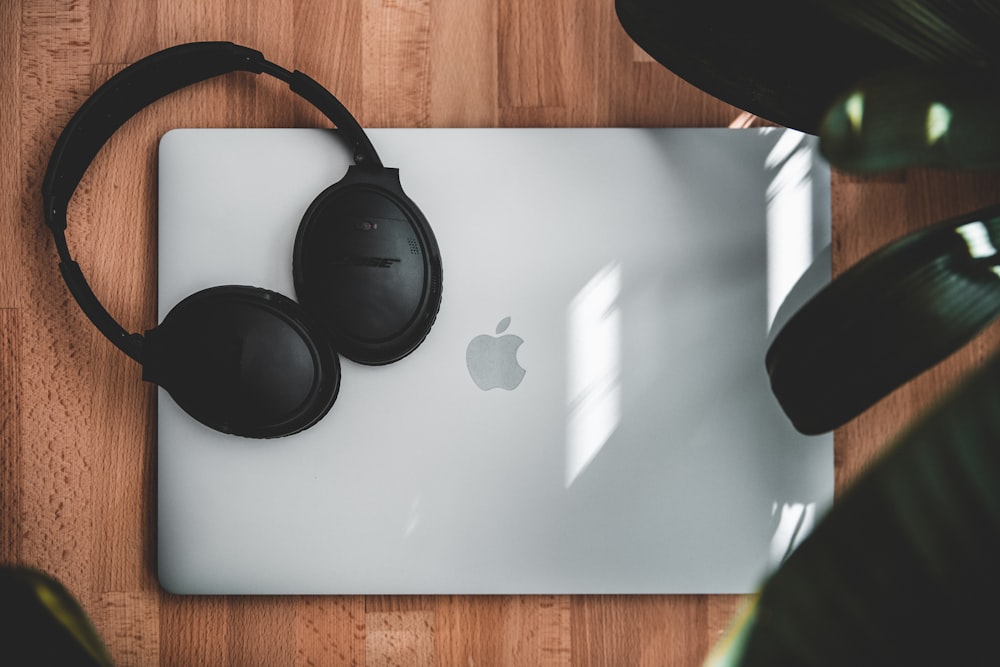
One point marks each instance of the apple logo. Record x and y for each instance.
(492, 360)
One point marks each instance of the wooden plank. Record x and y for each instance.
(532, 54)
(11, 222)
(553, 66)
(180, 21)
(399, 639)
(268, 26)
(330, 631)
(119, 258)
(120, 34)
(396, 63)
(328, 46)
(488, 630)
(261, 630)
(55, 360)
(11, 286)
(193, 630)
(536, 630)
(11, 518)
(463, 64)
(641, 630)
(468, 630)
(130, 626)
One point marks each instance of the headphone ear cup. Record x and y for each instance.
(244, 360)
(367, 267)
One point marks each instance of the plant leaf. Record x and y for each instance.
(914, 118)
(788, 60)
(886, 319)
(899, 570)
(41, 622)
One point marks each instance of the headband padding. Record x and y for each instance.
(123, 96)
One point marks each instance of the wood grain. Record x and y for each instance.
(396, 63)
(11, 517)
(463, 64)
(77, 444)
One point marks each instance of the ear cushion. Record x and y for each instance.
(244, 360)
(367, 267)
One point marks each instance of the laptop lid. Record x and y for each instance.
(590, 412)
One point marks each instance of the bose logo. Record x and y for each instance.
(374, 262)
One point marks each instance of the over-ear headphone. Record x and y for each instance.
(246, 360)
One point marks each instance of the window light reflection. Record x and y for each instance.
(789, 217)
(794, 523)
(593, 387)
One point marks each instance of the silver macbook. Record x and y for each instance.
(590, 412)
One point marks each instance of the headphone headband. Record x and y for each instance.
(122, 97)
(156, 76)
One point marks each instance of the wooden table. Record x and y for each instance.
(77, 445)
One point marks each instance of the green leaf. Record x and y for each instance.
(915, 118)
(789, 61)
(42, 624)
(891, 316)
(903, 568)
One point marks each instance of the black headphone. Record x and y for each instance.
(245, 360)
